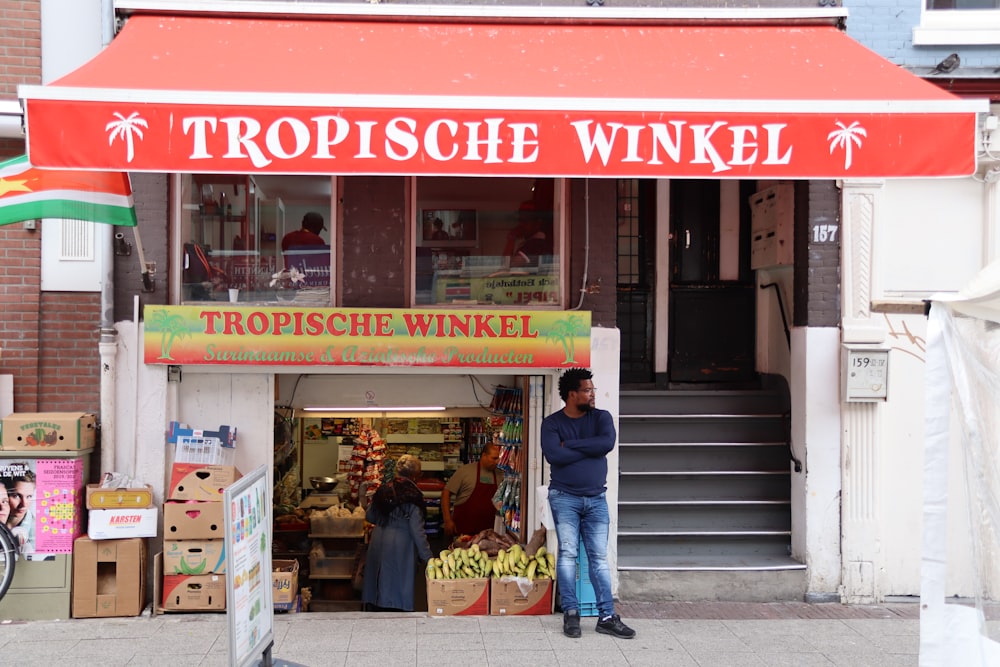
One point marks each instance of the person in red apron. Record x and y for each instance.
(472, 488)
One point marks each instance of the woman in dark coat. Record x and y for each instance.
(397, 509)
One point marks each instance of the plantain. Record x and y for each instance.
(502, 557)
(444, 554)
(552, 561)
(541, 552)
(530, 571)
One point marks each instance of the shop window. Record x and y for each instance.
(241, 243)
(957, 22)
(487, 242)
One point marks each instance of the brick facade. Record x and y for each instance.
(373, 251)
(817, 265)
(601, 258)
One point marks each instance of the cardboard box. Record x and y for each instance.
(121, 524)
(202, 592)
(115, 499)
(193, 521)
(285, 583)
(458, 597)
(195, 481)
(508, 598)
(109, 577)
(194, 556)
(48, 431)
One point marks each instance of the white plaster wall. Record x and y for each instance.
(901, 469)
(605, 362)
(815, 396)
(929, 237)
(773, 353)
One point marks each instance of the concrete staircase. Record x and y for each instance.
(704, 509)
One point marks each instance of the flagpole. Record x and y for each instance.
(147, 272)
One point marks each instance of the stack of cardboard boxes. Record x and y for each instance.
(194, 558)
(109, 564)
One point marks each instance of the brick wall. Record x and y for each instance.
(601, 281)
(817, 265)
(20, 250)
(373, 251)
(151, 192)
(20, 45)
(886, 27)
(69, 363)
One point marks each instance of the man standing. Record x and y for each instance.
(472, 486)
(576, 441)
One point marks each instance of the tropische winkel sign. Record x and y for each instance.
(273, 336)
(318, 140)
(370, 95)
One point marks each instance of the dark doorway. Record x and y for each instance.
(636, 200)
(711, 319)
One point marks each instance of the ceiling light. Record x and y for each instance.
(377, 408)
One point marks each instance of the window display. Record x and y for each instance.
(487, 241)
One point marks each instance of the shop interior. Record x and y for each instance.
(337, 437)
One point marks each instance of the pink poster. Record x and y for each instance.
(45, 500)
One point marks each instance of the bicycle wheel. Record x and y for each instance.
(8, 558)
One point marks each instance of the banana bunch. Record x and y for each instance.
(468, 563)
(514, 562)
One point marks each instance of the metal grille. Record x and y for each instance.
(629, 234)
(634, 318)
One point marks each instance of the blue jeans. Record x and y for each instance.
(582, 517)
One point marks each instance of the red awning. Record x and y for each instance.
(204, 94)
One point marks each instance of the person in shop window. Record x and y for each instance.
(471, 488)
(307, 236)
(398, 512)
(576, 441)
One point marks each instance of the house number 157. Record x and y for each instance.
(825, 233)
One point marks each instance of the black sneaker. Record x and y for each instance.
(571, 623)
(613, 626)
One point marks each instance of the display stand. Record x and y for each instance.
(509, 415)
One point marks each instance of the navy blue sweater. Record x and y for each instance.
(577, 450)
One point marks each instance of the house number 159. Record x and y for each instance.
(825, 233)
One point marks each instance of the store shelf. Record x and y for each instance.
(330, 576)
(415, 438)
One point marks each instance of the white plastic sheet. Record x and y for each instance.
(962, 390)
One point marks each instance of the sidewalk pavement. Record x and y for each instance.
(690, 634)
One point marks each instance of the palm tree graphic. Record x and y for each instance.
(846, 137)
(126, 128)
(172, 326)
(564, 333)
